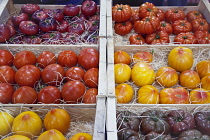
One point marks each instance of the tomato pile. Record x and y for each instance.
(163, 125)
(154, 26)
(141, 77)
(70, 25)
(47, 78)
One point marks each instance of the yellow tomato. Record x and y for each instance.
(52, 134)
(81, 136)
(124, 93)
(203, 68)
(122, 57)
(180, 58)
(148, 94)
(199, 96)
(167, 76)
(142, 74)
(122, 73)
(17, 137)
(6, 121)
(205, 82)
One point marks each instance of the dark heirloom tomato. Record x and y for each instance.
(4, 33)
(71, 10)
(180, 26)
(180, 121)
(202, 122)
(32, 40)
(154, 120)
(54, 37)
(88, 58)
(136, 39)
(67, 58)
(12, 30)
(88, 7)
(53, 74)
(6, 58)
(121, 13)
(147, 9)
(128, 120)
(62, 26)
(135, 16)
(57, 14)
(157, 38)
(185, 38)
(16, 20)
(6, 92)
(7, 74)
(24, 58)
(193, 135)
(91, 78)
(174, 14)
(153, 135)
(128, 134)
(29, 8)
(72, 38)
(165, 26)
(74, 73)
(203, 37)
(200, 25)
(28, 75)
(73, 91)
(38, 16)
(123, 28)
(46, 58)
(76, 27)
(29, 27)
(49, 95)
(92, 25)
(147, 25)
(161, 15)
(90, 96)
(47, 24)
(24, 95)
(191, 15)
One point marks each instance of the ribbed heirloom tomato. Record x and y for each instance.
(67, 58)
(91, 78)
(6, 58)
(185, 38)
(75, 73)
(200, 25)
(136, 39)
(202, 68)
(147, 9)
(160, 37)
(7, 74)
(165, 26)
(203, 37)
(124, 93)
(142, 56)
(180, 26)
(199, 96)
(123, 28)
(90, 96)
(174, 14)
(122, 57)
(122, 73)
(46, 58)
(121, 13)
(191, 15)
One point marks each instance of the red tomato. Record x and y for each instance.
(6, 92)
(6, 58)
(28, 75)
(89, 7)
(67, 58)
(24, 58)
(25, 95)
(173, 14)
(91, 78)
(180, 26)
(73, 91)
(90, 96)
(88, 58)
(75, 73)
(7, 74)
(49, 95)
(53, 74)
(46, 58)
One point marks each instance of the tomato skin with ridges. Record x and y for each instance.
(6, 58)
(199, 96)
(123, 28)
(121, 13)
(124, 93)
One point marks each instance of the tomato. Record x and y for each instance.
(75, 73)
(91, 78)
(76, 28)
(6, 58)
(203, 37)
(28, 75)
(122, 57)
(57, 14)
(16, 19)
(199, 96)
(178, 95)
(202, 68)
(23, 58)
(121, 13)
(29, 8)
(124, 93)
(165, 26)
(49, 95)
(47, 24)
(122, 73)
(46, 58)
(136, 39)
(53, 74)
(31, 39)
(123, 28)
(73, 91)
(39, 15)
(157, 38)
(172, 15)
(200, 25)
(89, 7)
(67, 58)
(81, 135)
(7, 74)
(142, 56)
(62, 26)
(147, 9)
(135, 16)
(189, 79)
(148, 94)
(161, 15)
(191, 15)
(88, 58)
(185, 38)
(205, 82)
(90, 96)
(29, 27)
(181, 26)
(25, 95)
(71, 10)
(147, 25)
(4, 33)
(6, 93)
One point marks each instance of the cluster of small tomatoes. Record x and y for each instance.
(153, 26)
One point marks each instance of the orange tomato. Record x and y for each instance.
(81, 136)
(124, 93)
(122, 57)
(142, 56)
(52, 134)
(205, 82)
(199, 96)
(203, 68)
